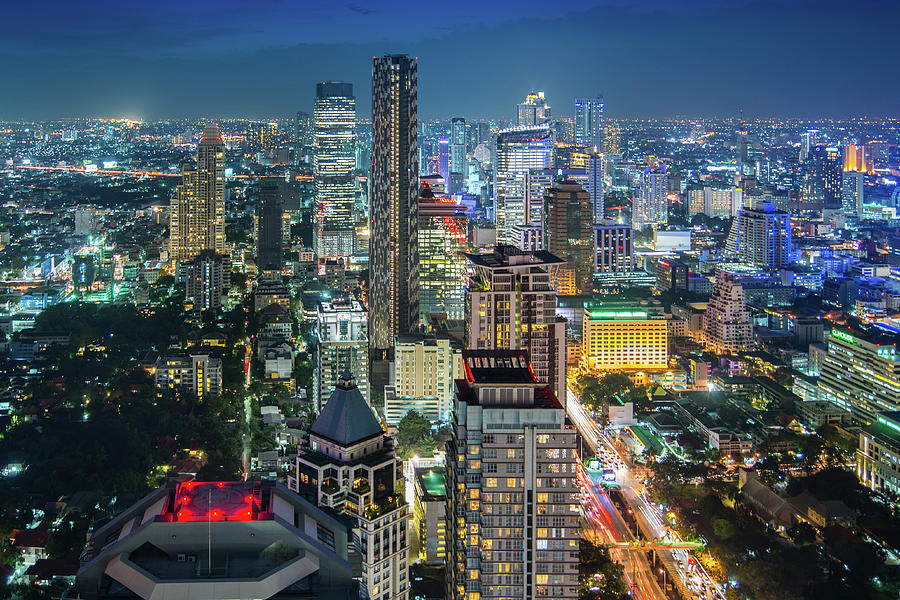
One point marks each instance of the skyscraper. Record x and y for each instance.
(589, 122)
(343, 344)
(650, 207)
(208, 277)
(568, 232)
(594, 186)
(726, 323)
(822, 180)
(518, 150)
(511, 304)
(764, 236)
(442, 263)
(515, 507)
(458, 146)
(270, 220)
(393, 245)
(334, 118)
(533, 111)
(853, 179)
(444, 160)
(197, 213)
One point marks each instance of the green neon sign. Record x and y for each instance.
(843, 335)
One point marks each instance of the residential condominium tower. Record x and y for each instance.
(650, 206)
(589, 122)
(518, 151)
(393, 243)
(197, 213)
(513, 518)
(334, 121)
(511, 304)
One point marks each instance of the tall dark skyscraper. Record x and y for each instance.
(269, 211)
(393, 253)
(589, 122)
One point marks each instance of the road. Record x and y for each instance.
(690, 578)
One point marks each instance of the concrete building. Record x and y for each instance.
(424, 369)
(199, 374)
(197, 213)
(430, 514)
(613, 250)
(726, 322)
(619, 338)
(218, 541)
(393, 243)
(208, 277)
(589, 122)
(651, 206)
(442, 266)
(270, 225)
(511, 304)
(764, 237)
(514, 493)
(343, 344)
(878, 456)
(568, 234)
(348, 465)
(533, 111)
(861, 373)
(518, 151)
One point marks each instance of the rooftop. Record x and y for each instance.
(511, 367)
(510, 256)
(432, 482)
(346, 418)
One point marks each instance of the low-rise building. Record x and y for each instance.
(430, 515)
(200, 374)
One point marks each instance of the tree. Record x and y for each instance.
(600, 577)
(414, 436)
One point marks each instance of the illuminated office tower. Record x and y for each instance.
(512, 485)
(822, 180)
(533, 111)
(442, 262)
(650, 207)
(589, 122)
(594, 186)
(197, 213)
(347, 463)
(334, 119)
(568, 231)
(623, 339)
(458, 145)
(613, 252)
(393, 245)
(861, 373)
(764, 237)
(518, 151)
(511, 304)
(208, 279)
(726, 322)
(853, 179)
(537, 182)
(270, 225)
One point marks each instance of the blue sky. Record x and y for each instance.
(196, 58)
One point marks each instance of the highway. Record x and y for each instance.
(690, 578)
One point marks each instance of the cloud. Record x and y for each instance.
(361, 9)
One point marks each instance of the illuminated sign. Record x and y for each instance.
(843, 335)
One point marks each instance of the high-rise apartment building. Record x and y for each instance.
(442, 264)
(861, 373)
(650, 207)
(852, 194)
(589, 122)
(393, 243)
(519, 150)
(425, 367)
(511, 304)
(533, 111)
(764, 236)
(513, 514)
(334, 122)
(197, 213)
(807, 143)
(726, 322)
(348, 464)
(723, 203)
(343, 344)
(270, 224)
(208, 277)
(444, 160)
(568, 232)
(623, 338)
(613, 250)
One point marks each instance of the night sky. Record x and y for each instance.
(261, 58)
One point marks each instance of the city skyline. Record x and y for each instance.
(705, 59)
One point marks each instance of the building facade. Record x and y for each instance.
(442, 265)
(726, 322)
(208, 277)
(393, 243)
(270, 225)
(650, 207)
(513, 491)
(199, 374)
(764, 237)
(342, 331)
(568, 234)
(589, 122)
(424, 369)
(623, 339)
(519, 150)
(511, 304)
